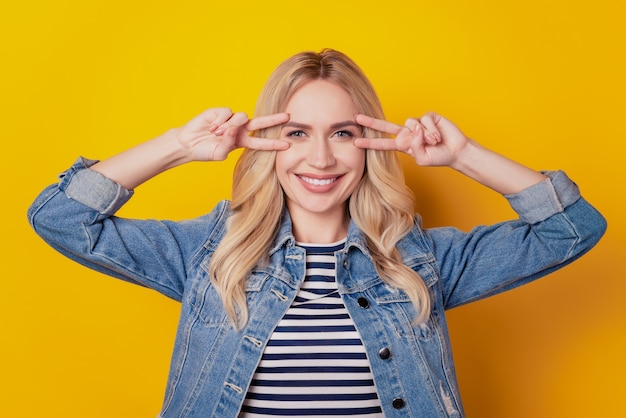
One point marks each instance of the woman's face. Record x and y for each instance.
(322, 168)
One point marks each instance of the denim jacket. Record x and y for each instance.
(212, 364)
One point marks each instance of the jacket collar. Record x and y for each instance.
(285, 237)
(413, 248)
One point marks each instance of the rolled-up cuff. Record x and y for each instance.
(542, 200)
(92, 189)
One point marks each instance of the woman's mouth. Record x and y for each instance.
(318, 182)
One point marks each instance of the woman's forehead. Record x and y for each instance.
(321, 99)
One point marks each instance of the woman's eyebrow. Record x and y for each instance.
(291, 124)
(345, 124)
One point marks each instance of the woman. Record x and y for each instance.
(315, 291)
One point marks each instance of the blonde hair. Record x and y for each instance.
(382, 206)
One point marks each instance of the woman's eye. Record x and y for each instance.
(344, 134)
(295, 134)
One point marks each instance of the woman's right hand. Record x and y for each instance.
(210, 136)
(216, 132)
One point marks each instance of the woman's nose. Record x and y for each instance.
(321, 154)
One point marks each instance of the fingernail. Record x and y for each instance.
(432, 139)
(212, 127)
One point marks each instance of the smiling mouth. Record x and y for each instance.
(318, 182)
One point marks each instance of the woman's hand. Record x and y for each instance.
(210, 136)
(431, 140)
(213, 134)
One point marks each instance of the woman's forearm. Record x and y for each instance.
(134, 166)
(495, 171)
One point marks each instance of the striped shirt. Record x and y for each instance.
(314, 364)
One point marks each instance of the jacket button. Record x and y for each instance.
(384, 353)
(363, 303)
(398, 403)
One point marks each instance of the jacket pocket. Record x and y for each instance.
(205, 300)
(401, 309)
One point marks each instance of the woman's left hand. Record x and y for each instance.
(431, 140)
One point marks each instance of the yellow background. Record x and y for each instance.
(541, 81)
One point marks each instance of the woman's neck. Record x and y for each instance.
(319, 228)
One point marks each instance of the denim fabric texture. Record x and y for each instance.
(212, 364)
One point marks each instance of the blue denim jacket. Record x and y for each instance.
(212, 364)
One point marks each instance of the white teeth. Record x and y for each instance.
(318, 182)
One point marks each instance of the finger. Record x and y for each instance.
(262, 122)
(216, 116)
(413, 124)
(378, 124)
(418, 128)
(209, 120)
(236, 120)
(264, 144)
(429, 122)
(382, 144)
(227, 143)
(411, 139)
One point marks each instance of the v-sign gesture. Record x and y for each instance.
(431, 140)
(213, 134)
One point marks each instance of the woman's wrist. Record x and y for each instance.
(468, 157)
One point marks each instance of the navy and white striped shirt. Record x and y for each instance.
(314, 364)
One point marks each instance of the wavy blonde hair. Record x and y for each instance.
(382, 206)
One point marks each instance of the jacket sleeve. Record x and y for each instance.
(76, 217)
(555, 227)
